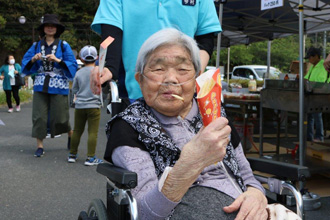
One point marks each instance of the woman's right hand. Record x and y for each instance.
(209, 145)
(36, 57)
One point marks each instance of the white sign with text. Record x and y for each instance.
(269, 4)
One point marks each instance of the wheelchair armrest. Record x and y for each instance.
(281, 169)
(122, 178)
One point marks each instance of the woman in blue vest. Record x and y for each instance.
(9, 70)
(55, 64)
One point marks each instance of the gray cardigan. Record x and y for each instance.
(152, 204)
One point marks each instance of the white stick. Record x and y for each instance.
(178, 97)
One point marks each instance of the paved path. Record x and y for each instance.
(47, 187)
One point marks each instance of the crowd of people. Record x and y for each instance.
(158, 136)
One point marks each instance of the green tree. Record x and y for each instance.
(283, 52)
(75, 15)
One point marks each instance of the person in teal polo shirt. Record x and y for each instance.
(132, 23)
(316, 73)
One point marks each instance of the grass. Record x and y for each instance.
(24, 94)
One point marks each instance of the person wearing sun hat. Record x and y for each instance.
(55, 64)
(87, 108)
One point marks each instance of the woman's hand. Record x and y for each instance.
(97, 79)
(208, 146)
(36, 57)
(53, 58)
(1, 77)
(16, 72)
(251, 205)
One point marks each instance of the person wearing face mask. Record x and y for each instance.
(7, 74)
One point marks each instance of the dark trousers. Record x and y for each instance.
(14, 90)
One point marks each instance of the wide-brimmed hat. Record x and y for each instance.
(51, 19)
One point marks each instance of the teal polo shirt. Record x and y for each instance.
(139, 19)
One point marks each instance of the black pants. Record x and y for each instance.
(14, 90)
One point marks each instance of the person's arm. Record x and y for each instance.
(152, 204)
(68, 63)
(326, 63)
(206, 44)
(113, 59)
(75, 85)
(1, 71)
(29, 61)
(114, 52)
(206, 148)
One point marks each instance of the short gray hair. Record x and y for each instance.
(168, 36)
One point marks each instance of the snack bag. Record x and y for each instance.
(209, 95)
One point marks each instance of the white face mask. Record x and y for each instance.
(12, 61)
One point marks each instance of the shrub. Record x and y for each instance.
(24, 94)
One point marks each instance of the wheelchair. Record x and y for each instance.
(121, 205)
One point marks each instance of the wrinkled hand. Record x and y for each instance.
(97, 79)
(208, 146)
(251, 205)
(326, 63)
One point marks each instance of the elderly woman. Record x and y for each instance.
(162, 139)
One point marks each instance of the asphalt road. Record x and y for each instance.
(47, 187)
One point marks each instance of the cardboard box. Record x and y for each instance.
(318, 151)
(294, 67)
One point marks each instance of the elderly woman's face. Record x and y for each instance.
(168, 71)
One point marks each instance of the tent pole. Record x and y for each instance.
(324, 44)
(228, 64)
(302, 115)
(219, 36)
(269, 48)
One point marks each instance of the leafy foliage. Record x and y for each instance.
(283, 52)
(75, 15)
(25, 95)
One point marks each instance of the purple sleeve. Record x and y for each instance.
(246, 170)
(152, 204)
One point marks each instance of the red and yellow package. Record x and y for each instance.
(209, 95)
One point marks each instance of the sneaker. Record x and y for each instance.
(72, 158)
(39, 152)
(18, 108)
(49, 136)
(90, 161)
(10, 110)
